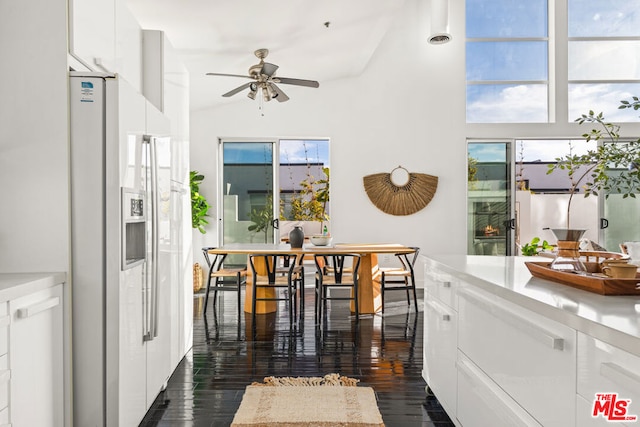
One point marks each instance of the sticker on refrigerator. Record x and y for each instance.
(86, 92)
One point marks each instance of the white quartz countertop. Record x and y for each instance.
(613, 319)
(15, 285)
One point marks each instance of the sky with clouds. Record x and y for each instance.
(527, 61)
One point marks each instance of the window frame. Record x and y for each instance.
(550, 110)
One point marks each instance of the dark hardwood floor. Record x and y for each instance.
(383, 352)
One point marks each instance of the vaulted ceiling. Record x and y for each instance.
(318, 40)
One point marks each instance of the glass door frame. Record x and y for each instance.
(605, 217)
(275, 164)
(625, 232)
(512, 221)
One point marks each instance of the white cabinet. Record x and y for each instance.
(491, 362)
(440, 342)
(181, 253)
(166, 87)
(5, 372)
(583, 415)
(92, 36)
(527, 352)
(527, 355)
(482, 403)
(166, 81)
(605, 369)
(105, 36)
(34, 364)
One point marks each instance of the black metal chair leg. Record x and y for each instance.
(215, 294)
(382, 291)
(253, 308)
(293, 297)
(291, 302)
(206, 295)
(406, 283)
(239, 297)
(301, 285)
(356, 303)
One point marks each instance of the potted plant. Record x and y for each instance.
(592, 170)
(610, 168)
(199, 204)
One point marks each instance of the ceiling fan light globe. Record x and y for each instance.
(252, 94)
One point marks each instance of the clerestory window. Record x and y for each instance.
(527, 61)
(603, 56)
(507, 67)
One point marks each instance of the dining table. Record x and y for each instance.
(369, 297)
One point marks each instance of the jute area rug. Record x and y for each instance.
(331, 400)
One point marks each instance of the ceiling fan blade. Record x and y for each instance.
(229, 75)
(297, 82)
(280, 95)
(238, 89)
(268, 69)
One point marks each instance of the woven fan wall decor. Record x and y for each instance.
(406, 199)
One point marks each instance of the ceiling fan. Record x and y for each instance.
(264, 79)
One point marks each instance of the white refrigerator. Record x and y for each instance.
(123, 291)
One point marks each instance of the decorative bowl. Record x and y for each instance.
(320, 240)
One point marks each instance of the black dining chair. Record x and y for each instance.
(335, 271)
(268, 274)
(399, 278)
(298, 274)
(224, 278)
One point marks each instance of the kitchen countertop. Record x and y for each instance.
(613, 319)
(14, 285)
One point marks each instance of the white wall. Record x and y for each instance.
(407, 108)
(34, 211)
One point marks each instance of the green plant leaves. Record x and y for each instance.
(534, 247)
(199, 205)
(262, 219)
(310, 203)
(592, 171)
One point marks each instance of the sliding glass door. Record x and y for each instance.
(512, 197)
(269, 185)
(249, 214)
(618, 219)
(490, 202)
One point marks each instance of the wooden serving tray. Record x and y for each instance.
(592, 282)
